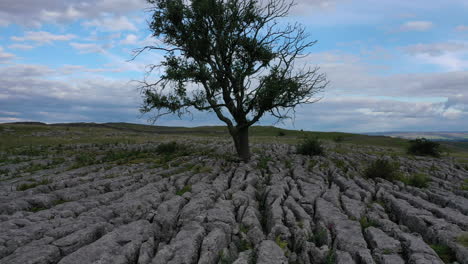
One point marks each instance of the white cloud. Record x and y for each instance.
(35, 13)
(115, 24)
(9, 113)
(452, 56)
(130, 39)
(5, 56)
(416, 26)
(43, 37)
(10, 119)
(435, 49)
(20, 46)
(88, 47)
(79, 69)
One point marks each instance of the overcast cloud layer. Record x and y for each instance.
(393, 65)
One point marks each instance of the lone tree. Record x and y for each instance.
(231, 57)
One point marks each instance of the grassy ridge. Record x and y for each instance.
(17, 135)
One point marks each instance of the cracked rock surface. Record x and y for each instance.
(208, 208)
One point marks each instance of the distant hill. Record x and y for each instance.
(438, 136)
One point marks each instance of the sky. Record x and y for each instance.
(393, 65)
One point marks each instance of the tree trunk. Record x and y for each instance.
(241, 142)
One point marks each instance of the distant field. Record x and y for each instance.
(36, 134)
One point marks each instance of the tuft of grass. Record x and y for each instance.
(341, 164)
(201, 169)
(37, 209)
(311, 147)
(186, 188)
(244, 229)
(281, 243)
(60, 201)
(382, 168)
(311, 165)
(263, 162)
(366, 222)
(244, 245)
(463, 239)
(319, 237)
(168, 148)
(331, 257)
(338, 139)
(387, 251)
(419, 180)
(223, 259)
(424, 147)
(464, 186)
(281, 134)
(85, 159)
(444, 252)
(25, 186)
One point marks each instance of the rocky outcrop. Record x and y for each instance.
(206, 208)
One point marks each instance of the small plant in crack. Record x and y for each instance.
(244, 229)
(463, 239)
(244, 245)
(281, 243)
(419, 180)
(312, 164)
(464, 186)
(444, 252)
(366, 222)
(319, 237)
(186, 188)
(387, 251)
(331, 257)
(300, 224)
(263, 163)
(225, 259)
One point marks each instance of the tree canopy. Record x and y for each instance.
(234, 58)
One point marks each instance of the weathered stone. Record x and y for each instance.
(212, 244)
(381, 242)
(270, 253)
(120, 246)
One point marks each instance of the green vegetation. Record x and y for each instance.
(25, 186)
(366, 222)
(464, 186)
(37, 209)
(262, 163)
(223, 259)
(338, 139)
(424, 147)
(463, 239)
(311, 147)
(341, 164)
(281, 243)
(243, 245)
(186, 188)
(331, 257)
(419, 180)
(168, 148)
(444, 252)
(113, 133)
(319, 238)
(201, 169)
(60, 201)
(312, 164)
(382, 168)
